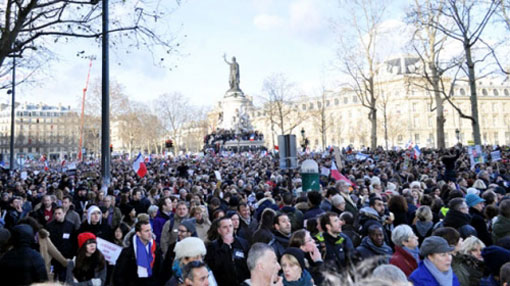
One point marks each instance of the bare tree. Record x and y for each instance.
(279, 103)
(174, 110)
(470, 18)
(428, 43)
(320, 116)
(28, 26)
(358, 51)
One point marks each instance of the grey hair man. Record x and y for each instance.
(263, 266)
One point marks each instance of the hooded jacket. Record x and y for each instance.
(500, 228)
(461, 222)
(368, 249)
(22, 265)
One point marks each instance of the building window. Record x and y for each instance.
(399, 138)
(337, 101)
(496, 138)
(415, 107)
(355, 99)
(304, 106)
(417, 138)
(319, 105)
(484, 92)
(346, 100)
(507, 93)
(462, 92)
(327, 102)
(495, 92)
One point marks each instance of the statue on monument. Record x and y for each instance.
(234, 73)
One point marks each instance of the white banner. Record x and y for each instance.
(109, 250)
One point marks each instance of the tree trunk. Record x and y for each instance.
(385, 125)
(373, 112)
(373, 131)
(473, 98)
(440, 120)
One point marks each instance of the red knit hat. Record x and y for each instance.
(83, 237)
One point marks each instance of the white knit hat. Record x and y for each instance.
(91, 210)
(189, 247)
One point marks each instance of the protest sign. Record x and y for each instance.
(109, 250)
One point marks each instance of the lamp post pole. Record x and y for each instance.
(105, 102)
(457, 134)
(13, 105)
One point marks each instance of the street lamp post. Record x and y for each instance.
(457, 133)
(303, 140)
(105, 101)
(12, 91)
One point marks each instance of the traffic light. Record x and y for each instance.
(169, 143)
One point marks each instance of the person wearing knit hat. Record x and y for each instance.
(494, 257)
(92, 211)
(293, 267)
(86, 237)
(188, 250)
(435, 268)
(95, 225)
(89, 265)
(190, 228)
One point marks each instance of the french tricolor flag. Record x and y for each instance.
(335, 174)
(417, 152)
(46, 168)
(139, 166)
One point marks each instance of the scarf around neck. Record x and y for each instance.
(415, 253)
(144, 259)
(442, 278)
(304, 280)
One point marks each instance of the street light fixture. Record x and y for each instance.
(457, 133)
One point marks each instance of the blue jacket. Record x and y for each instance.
(422, 277)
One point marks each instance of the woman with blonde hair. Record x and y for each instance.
(294, 269)
(468, 264)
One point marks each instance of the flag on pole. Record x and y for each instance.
(335, 174)
(63, 163)
(139, 166)
(417, 152)
(46, 168)
(252, 137)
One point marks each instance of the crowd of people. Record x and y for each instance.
(214, 219)
(224, 135)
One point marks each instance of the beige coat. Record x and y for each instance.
(49, 251)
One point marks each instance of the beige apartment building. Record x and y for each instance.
(39, 129)
(409, 109)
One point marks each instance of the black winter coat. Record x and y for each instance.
(228, 262)
(125, 272)
(478, 222)
(338, 251)
(22, 265)
(461, 222)
(63, 237)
